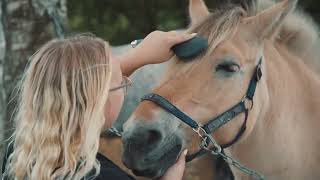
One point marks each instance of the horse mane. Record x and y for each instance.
(298, 32)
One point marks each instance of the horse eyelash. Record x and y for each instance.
(227, 67)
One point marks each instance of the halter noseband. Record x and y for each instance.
(244, 105)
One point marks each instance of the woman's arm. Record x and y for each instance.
(130, 62)
(154, 49)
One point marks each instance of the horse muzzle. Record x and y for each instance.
(150, 151)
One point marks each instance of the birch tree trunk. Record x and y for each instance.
(24, 27)
(2, 94)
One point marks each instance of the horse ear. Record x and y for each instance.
(266, 24)
(197, 11)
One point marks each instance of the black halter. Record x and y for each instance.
(244, 105)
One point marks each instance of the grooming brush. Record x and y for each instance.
(186, 50)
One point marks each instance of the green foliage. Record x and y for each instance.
(120, 21)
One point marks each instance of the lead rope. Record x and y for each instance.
(241, 167)
(217, 151)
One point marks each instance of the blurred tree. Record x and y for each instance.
(25, 25)
(122, 21)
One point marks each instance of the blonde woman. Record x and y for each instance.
(73, 89)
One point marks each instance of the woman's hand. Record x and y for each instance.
(175, 172)
(154, 49)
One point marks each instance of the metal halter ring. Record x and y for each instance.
(259, 72)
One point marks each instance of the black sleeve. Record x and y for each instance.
(110, 171)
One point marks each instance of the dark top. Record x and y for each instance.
(108, 170)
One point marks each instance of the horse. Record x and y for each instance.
(268, 44)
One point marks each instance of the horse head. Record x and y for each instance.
(205, 87)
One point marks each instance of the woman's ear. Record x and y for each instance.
(197, 11)
(266, 23)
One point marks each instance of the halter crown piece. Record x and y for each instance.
(205, 131)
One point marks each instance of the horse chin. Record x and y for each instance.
(155, 163)
(160, 165)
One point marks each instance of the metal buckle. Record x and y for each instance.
(200, 131)
(248, 103)
(115, 131)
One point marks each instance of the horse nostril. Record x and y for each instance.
(153, 136)
(141, 141)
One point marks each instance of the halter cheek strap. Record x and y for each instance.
(243, 106)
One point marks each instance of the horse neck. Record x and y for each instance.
(313, 55)
(292, 87)
(289, 117)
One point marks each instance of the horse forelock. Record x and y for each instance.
(220, 25)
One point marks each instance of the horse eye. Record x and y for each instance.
(228, 67)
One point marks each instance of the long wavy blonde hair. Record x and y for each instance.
(60, 113)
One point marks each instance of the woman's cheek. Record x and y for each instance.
(117, 105)
(113, 107)
(107, 115)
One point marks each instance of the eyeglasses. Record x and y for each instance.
(126, 82)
